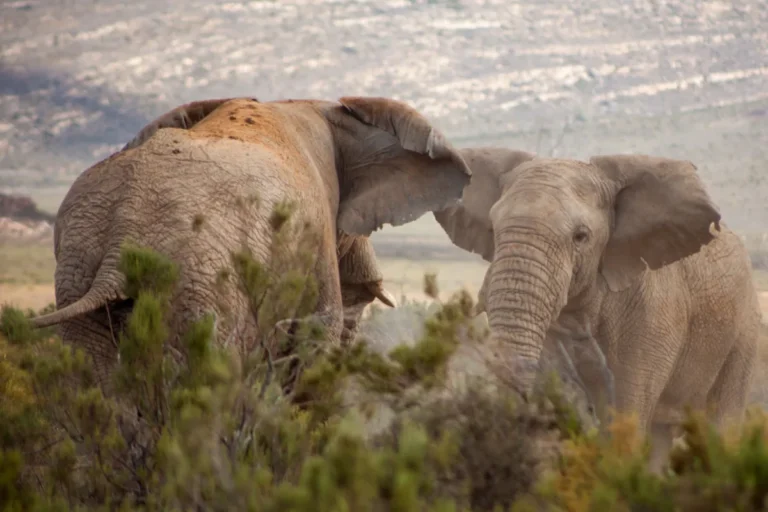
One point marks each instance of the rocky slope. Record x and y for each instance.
(22, 221)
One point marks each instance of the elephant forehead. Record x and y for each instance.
(558, 179)
(562, 196)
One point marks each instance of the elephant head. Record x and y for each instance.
(562, 234)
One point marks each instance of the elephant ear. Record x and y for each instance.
(468, 223)
(662, 214)
(184, 116)
(394, 166)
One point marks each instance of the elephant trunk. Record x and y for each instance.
(527, 288)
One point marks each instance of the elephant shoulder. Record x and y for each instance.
(726, 246)
(717, 273)
(267, 124)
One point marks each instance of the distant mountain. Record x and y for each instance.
(21, 220)
(22, 208)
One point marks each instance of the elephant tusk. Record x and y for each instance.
(380, 293)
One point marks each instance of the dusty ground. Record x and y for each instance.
(25, 296)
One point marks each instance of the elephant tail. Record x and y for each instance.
(106, 287)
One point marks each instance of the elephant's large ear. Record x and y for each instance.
(184, 116)
(662, 214)
(394, 166)
(468, 223)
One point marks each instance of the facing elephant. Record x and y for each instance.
(624, 244)
(202, 181)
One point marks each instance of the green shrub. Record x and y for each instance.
(198, 427)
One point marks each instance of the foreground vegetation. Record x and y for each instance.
(216, 430)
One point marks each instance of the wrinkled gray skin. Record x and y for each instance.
(568, 243)
(350, 166)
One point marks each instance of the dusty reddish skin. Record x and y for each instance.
(350, 166)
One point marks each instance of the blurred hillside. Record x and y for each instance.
(563, 77)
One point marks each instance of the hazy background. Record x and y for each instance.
(569, 78)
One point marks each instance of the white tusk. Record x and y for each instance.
(383, 295)
(387, 298)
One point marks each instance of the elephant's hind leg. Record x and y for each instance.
(725, 401)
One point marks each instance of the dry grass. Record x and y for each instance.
(28, 263)
(27, 296)
(405, 277)
(26, 275)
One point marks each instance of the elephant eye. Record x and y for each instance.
(580, 236)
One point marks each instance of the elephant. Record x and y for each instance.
(630, 248)
(203, 180)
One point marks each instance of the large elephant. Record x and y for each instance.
(624, 244)
(204, 179)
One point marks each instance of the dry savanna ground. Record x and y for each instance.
(26, 278)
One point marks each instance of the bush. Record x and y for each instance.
(212, 429)
(204, 435)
